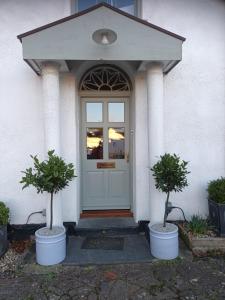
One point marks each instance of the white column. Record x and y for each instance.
(70, 148)
(141, 164)
(155, 135)
(50, 83)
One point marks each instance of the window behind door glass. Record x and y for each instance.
(83, 4)
(125, 5)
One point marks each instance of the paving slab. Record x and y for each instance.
(135, 249)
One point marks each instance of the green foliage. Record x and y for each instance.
(170, 173)
(4, 214)
(198, 225)
(51, 175)
(216, 190)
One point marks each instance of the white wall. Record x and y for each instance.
(195, 93)
(194, 104)
(21, 115)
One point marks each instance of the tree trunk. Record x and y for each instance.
(165, 213)
(51, 211)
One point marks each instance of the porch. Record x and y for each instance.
(66, 51)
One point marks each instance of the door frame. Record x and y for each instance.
(98, 96)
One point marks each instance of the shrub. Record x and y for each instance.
(4, 214)
(170, 174)
(51, 176)
(198, 225)
(216, 190)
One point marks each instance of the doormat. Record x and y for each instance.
(103, 243)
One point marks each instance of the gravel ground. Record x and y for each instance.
(10, 262)
(182, 279)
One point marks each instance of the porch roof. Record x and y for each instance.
(71, 39)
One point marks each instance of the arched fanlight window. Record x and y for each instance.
(105, 78)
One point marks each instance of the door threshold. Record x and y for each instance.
(125, 213)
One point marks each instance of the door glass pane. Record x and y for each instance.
(116, 143)
(94, 143)
(94, 112)
(116, 112)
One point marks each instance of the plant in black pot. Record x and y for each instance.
(51, 176)
(4, 219)
(170, 174)
(216, 202)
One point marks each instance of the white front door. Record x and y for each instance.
(105, 153)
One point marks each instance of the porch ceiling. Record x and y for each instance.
(70, 39)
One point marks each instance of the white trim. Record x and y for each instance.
(93, 94)
(99, 98)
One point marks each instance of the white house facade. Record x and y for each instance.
(111, 87)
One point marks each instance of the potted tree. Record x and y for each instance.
(170, 174)
(4, 218)
(51, 176)
(216, 202)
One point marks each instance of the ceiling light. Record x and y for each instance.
(105, 40)
(104, 36)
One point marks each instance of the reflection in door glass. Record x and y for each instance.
(116, 112)
(94, 112)
(94, 143)
(116, 143)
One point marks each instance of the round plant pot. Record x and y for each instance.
(50, 245)
(164, 241)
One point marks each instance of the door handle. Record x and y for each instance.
(127, 157)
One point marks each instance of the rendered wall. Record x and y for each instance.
(195, 93)
(194, 104)
(21, 110)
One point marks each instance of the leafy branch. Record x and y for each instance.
(170, 174)
(51, 176)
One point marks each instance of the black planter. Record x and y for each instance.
(217, 216)
(3, 239)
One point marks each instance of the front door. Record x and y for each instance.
(105, 153)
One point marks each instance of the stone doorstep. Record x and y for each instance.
(108, 226)
(106, 223)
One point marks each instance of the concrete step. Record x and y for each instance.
(88, 226)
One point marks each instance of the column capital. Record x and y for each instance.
(50, 66)
(154, 66)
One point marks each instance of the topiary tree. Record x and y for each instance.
(4, 214)
(51, 176)
(170, 174)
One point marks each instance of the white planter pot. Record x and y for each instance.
(50, 245)
(164, 241)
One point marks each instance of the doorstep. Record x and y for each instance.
(106, 223)
(107, 241)
(135, 249)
